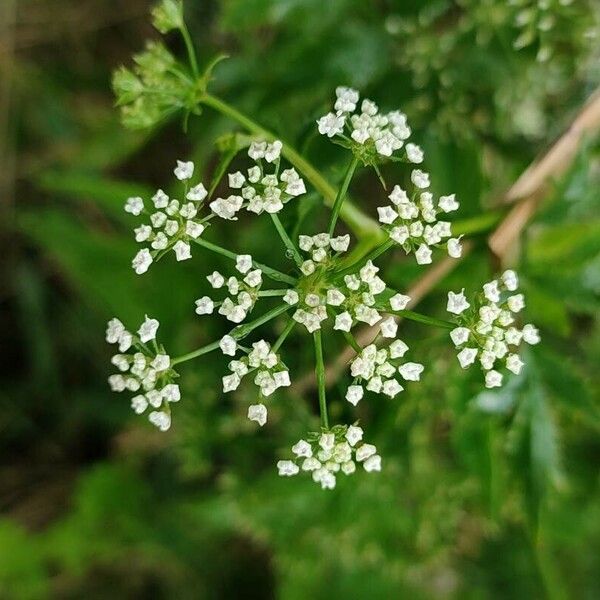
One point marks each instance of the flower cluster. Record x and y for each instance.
(144, 370)
(243, 293)
(259, 191)
(173, 224)
(271, 373)
(486, 329)
(351, 298)
(412, 223)
(378, 368)
(369, 133)
(331, 452)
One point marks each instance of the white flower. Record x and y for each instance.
(514, 363)
(331, 124)
(258, 413)
(335, 297)
(389, 327)
(354, 435)
(161, 362)
(135, 206)
(454, 248)
(343, 322)
(228, 345)
(236, 180)
(457, 303)
(420, 179)
(171, 392)
(411, 371)
(231, 382)
(139, 404)
(302, 449)
(197, 193)
(184, 170)
(193, 229)
(448, 203)
(147, 330)
(346, 99)
(398, 349)
(291, 297)
(531, 335)
(373, 463)
(414, 153)
(160, 199)
(493, 379)
(326, 441)
(216, 280)
(182, 250)
(142, 261)
(467, 357)
(354, 394)
(243, 263)
(491, 291)
(399, 301)
(387, 214)
(511, 281)
(460, 335)
(423, 255)
(365, 451)
(160, 419)
(287, 468)
(273, 151)
(516, 303)
(114, 329)
(340, 243)
(391, 388)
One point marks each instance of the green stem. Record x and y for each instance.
(419, 318)
(372, 255)
(268, 271)
(350, 339)
(320, 373)
(270, 293)
(196, 353)
(362, 225)
(241, 331)
(341, 195)
(190, 49)
(283, 336)
(285, 238)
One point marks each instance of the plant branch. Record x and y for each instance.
(285, 238)
(268, 271)
(341, 195)
(320, 376)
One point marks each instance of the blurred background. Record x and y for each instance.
(482, 495)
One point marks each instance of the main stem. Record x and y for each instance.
(341, 195)
(320, 373)
(361, 224)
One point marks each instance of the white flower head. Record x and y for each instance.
(258, 413)
(457, 303)
(184, 170)
(148, 329)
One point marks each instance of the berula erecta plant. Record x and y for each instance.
(323, 286)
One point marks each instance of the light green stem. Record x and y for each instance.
(285, 238)
(288, 328)
(320, 373)
(269, 293)
(196, 353)
(268, 271)
(241, 331)
(362, 225)
(190, 49)
(352, 342)
(341, 195)
(419, 318)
